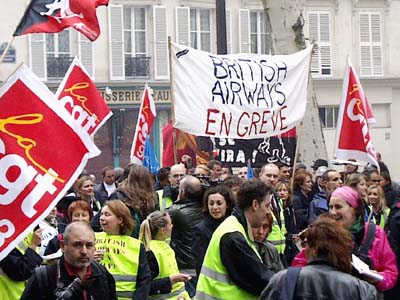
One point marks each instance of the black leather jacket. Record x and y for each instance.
(319, 280)
(185, 215)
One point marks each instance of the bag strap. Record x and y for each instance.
(364, 248)
(42, 277)
(289, 283)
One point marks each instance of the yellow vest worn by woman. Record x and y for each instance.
(167, 266)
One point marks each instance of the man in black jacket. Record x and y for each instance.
(75, 272)
(186, 212)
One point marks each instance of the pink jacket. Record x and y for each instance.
(381, 255)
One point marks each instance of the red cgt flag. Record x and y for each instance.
(147, 115)
(42, 152)
(353, 139)
(81, 98)
(55, 15)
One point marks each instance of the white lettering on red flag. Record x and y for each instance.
(353, 139)
(42, 152)
(243, 96)
(147, 115)
(81, 98)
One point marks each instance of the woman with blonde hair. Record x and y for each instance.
(379, 211)
(167, 282)
(123, 256)
(84, 187)
(137, 192)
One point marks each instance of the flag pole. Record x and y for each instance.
(6, 50)
(174, 142)
(137, 124)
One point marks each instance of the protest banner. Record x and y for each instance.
(146, 117)
(242, 96)
(81, 98)
(276, 149)
(353, 139)
(42, 152)
(55, 15)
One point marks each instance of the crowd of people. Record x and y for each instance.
(206, 231)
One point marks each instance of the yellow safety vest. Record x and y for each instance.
(11, 289)
(167, 266)
(277, 236)
(164, 202)
(214, 281)
(384, 217)
(121, 259)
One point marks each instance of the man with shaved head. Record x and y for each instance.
(186, 212)
(170, 192)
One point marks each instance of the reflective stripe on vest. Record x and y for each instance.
(214, 280)
(175, 294)
(121, 259)
(167, 266)
(277, 234)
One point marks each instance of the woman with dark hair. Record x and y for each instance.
(123, 256)
(302, 187)
(369, 243)
(137, 192)
(285, 193)
(328, 272)
(217, 205)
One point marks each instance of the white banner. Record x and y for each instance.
(243, 96)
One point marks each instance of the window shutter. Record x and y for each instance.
(325, 44)
(244, 30)
(312, 19)
(319, 31)
(86, 54)
(183, 25)
(37, 55)
(160, 42)
(371, 56)
(116, 40)
(228, 31)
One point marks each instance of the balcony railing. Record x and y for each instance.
(58, 66)
(137, 66)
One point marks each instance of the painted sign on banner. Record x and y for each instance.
(237, 152)
(81, 98)
(242, 96)
(42, 152)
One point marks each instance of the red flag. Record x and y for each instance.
(42, 152)
(81, 98)
(147, 115)
(353, 139)
(55, 15)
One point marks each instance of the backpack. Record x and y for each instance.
(289, 283)
(362, 251)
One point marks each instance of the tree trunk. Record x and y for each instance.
(287, 37)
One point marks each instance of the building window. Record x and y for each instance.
(371, 58)
(319, 31)
(200, 29)
(259, 33)
(135, 51)
(328, 116)
(58, 53)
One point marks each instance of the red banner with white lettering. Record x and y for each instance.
(147, 115)
(42, 152)
(81, 98)
(353, 139)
